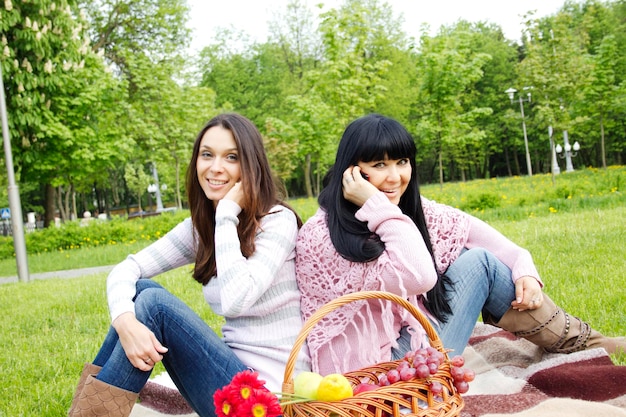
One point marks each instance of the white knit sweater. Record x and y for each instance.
(258, 296)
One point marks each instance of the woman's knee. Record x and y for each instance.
(470, 260)
(150, 300)
(145, 283)
(479, 254)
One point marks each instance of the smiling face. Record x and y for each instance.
(218, 163)
(391, 176)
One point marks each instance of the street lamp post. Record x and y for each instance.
(15, 205)
(511, 92)
(569, 152)
(157, 189)
(555, 166)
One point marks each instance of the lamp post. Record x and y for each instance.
(511, 92)
(570, 152)
(15, 205)
(155, 188)
(555, 166)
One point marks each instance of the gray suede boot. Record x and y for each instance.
(551, 328)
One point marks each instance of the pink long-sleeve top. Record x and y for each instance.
(363, 333)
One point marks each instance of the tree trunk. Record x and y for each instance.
(440, 169)
(508, 161)
(307, 176)
(59, 198)
(179, 198)
(49, 209)
(72, 195)
(602, 150)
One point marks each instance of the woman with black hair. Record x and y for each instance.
(374, 231)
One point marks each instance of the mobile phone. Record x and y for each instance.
(365, 176)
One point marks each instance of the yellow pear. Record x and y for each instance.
(334, 387)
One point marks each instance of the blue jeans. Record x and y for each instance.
(481, 283)
(197, 360)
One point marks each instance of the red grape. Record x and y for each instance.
(436, 387)
(422, 371)
(458, 361)
(458, 374)
(393, 376)
(406, 374)
(469, 375)
(433, 368)
(461, 386)
(382, 380)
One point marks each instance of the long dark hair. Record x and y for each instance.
(372, 138)
(259, 185)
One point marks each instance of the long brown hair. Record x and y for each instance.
(258, 185)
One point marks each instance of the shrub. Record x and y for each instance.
(73, 235)
(481, 202)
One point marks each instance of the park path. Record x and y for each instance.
(70, 273)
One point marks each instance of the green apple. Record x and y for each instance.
(306, 384)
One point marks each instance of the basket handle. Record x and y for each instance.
(346, 299)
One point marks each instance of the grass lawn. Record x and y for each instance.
(51, 327)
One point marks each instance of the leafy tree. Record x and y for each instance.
(142, 40)
(156, 28)
(51, 85)
(601, 90)
(448, 68)
(137, 180)
(557, 66)
(251, 81)
(315, 124)
(493, 151)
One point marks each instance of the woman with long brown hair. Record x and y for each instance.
(241, 237)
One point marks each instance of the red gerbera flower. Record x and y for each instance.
(248, 378)
(223, 406)
(244, 383)
(262, 404)
(246, 396)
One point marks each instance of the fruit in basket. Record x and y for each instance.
(306, 384)
(363, 387)
(334, 387)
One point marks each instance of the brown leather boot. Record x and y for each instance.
(103, 400)
(551, 328)
(88, 369)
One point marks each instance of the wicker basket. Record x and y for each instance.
(403, 398)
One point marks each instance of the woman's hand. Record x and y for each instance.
(142, 348)
(528, 295)
(236, 194)
(356, 189)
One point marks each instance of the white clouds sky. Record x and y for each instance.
(252, 16)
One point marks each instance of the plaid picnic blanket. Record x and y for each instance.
(513, 378)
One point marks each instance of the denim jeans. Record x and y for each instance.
(197, 360)
(481, 282)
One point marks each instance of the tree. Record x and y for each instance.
(492, 152)
(155, 28)
(557, 66)
(448, 68)
(600, 92)
(251, 82)
(51, 85)
(137, 180)
(142, 40)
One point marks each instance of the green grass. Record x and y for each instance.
(51, 327)
(71, 259)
